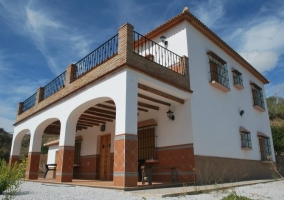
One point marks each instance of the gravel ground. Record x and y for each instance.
(33, 190)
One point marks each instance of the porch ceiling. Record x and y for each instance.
(148, 99)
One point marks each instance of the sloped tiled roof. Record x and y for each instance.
(196, 23)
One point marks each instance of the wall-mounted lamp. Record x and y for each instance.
(163, 38)
(170, 115)
(242, 112)
(102, 127)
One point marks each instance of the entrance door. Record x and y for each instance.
(105, 157)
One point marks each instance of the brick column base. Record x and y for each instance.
(13, 159)
(65, 162)
(32, 165)
(125, 160)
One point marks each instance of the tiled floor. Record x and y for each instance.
(103, 184)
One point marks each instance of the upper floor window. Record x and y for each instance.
(238, 79)
(257, 96)
(218, 72)
(265, 148)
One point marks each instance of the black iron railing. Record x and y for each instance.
(98, 56)
(55, 85)
(29, 102)
(155, 52)
(265, 149)
(238, 79)
(220, 77)
(246, 140)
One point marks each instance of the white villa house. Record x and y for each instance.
(178, 100)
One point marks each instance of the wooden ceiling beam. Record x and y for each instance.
(100, 115)
(106, 107)
(142, 109)
(148, 106)
(153, 100)
(92, 117)
(160, 93)
(87, 123)
(110, 102)
(97, 110)
(82, 124)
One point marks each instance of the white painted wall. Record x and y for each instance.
(51, 155)
(216, 118)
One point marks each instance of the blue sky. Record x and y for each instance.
(39, 39)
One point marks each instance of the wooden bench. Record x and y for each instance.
(49, 167)
(148, 170)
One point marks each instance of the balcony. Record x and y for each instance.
(125, 49)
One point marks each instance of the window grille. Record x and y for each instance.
(265, 148)
(246, 139)
(218, 70)
(257, 96)
(146, 143)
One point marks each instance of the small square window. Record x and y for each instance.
(246, 140)
(265, 148)
(257, 96)
(218, 72)
(238, 79)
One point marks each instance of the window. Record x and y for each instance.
(218, 72)
(238, 79)
(77, 152)
(265, 148)
(146, 143)
(257, 96)
(246, 140)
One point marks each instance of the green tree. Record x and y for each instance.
(275, 106)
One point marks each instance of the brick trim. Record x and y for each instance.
(66, 148)
(182, 146)
(125, 174)
(125, 136)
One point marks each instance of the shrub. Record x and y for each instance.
(234, 196)
(11, 177)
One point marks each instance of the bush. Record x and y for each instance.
(234, 196)
(11, 177)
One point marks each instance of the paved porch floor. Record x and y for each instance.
(108, 184)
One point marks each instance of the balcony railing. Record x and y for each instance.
(155, 52)
(89, 62)
(55, 85)
(29, 102)
(98, 56)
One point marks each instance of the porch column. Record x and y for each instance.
(32, 165)
(33, 156)
(16, 146)
(66, 149)
(125, 141)
(13, 159)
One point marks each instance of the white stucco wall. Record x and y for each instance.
(51, 155)
(216, 118)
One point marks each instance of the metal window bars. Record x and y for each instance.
(158, 54)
